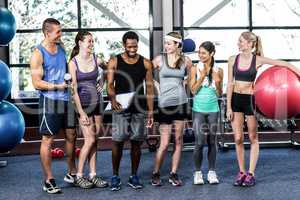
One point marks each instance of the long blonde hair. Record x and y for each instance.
(256, 42)
(180, 60)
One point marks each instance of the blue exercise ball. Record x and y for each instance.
(188, 46)
(7, 26)
(5, 81)
(12, 126)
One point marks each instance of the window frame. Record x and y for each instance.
(150, 29)
(251, 27)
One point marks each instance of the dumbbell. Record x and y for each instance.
(57, 153)
(77, 151)
(152, 144)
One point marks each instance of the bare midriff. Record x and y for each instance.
(243, 87)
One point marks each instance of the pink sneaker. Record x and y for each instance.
(249, 180)
(240, 178)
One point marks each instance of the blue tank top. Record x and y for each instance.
(55, 68)
(87, 81)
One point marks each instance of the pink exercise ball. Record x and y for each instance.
(277, 93)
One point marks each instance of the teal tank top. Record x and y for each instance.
(206, 99)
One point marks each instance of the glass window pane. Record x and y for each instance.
(115, 13)
(109, 43)
(22, 87)
(23, 43)
(282, 43)
(276, 12)
(215, 13)
(30, 14)
(224, 66)
(20, 48)
(224, 40)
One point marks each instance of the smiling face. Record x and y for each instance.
(54, 33)
(244, 44)
(131, 47)
(170, 46)
(204, 55)
(87, 44)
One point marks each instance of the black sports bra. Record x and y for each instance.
(249, 74)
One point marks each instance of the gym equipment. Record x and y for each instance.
(7, 26)
(188, 46)
(5, 80)
(77, 151)
(3, 163)
(277, 93)
(53, 153)
(57, 153)
(12, 126)
(60, 153)
(152, 144)
(188, 135)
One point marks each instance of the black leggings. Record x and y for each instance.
(205, 123)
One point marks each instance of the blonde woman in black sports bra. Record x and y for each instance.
(242, 71)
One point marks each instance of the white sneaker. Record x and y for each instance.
(198, 178)
(212, 177)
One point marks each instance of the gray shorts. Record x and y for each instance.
(128, 126)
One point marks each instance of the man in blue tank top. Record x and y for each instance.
(126, 73)
(48, 67)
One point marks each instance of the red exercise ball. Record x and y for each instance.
(277, 93)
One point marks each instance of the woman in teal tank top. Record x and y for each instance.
(206, 85)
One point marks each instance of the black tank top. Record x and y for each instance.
(244, 75)
(130, 78)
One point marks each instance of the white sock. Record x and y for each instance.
(92, 175)
(79, 175)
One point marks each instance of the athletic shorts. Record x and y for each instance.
(92, 110)
(243, 103)
(168, 114)
(128, 126)
(55, 115)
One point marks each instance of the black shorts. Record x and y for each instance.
(91, 110)
(243, 103)
(55, 115)
(168, 114)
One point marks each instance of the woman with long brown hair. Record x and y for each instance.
(83, 67)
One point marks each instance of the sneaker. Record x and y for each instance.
(240, 179)
(115, 183)
(174, 179)
(198, 178)
(212, 177)
(51, 187)
(134, 182)
(156, 181)
(70, 178)
(99, 182)
(249, 180)
(83, 182)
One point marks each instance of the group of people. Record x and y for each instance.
(130, 72)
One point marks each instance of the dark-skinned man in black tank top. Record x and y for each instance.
(127, 73)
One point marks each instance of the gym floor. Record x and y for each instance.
(277, 175)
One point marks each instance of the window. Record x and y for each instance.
(107, 20)
(30, 14)
(276, 12)
(222, 21)
(216, 13)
